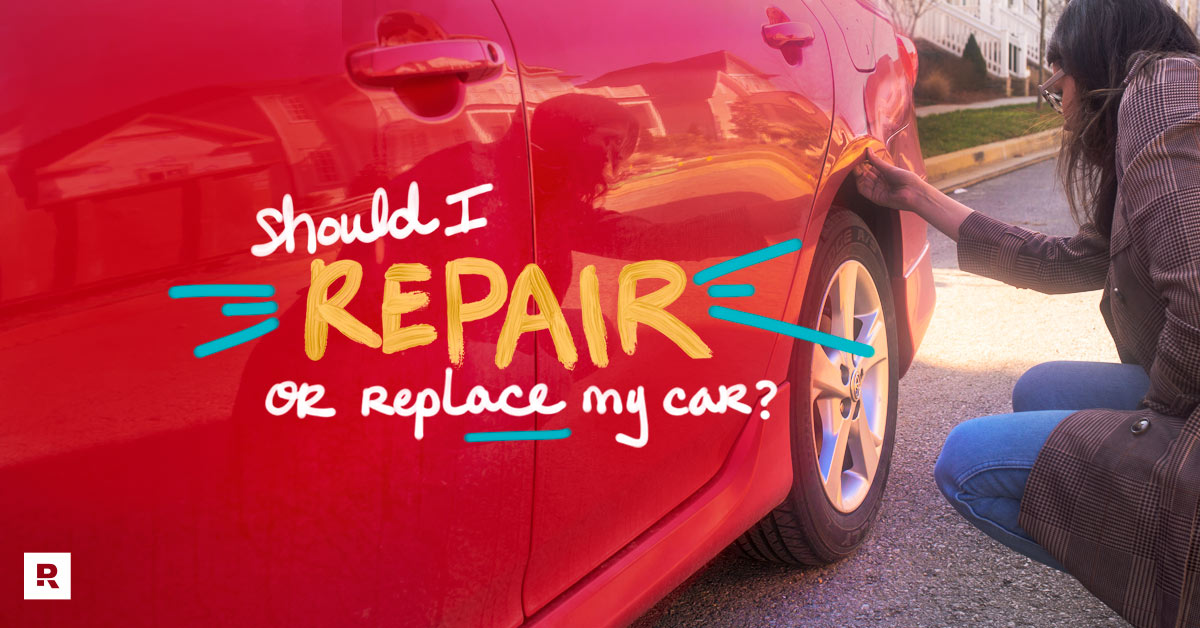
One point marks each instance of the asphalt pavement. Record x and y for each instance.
(923, 565)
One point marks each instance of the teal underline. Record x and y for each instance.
(249, 309)
(261, 291)
(236, 338)
(734, 290)
(788, 329)
(744, 261)
(494, 437)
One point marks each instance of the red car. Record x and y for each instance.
(414, 216)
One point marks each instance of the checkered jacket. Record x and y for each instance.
(1114, 495)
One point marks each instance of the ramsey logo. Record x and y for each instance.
(47, 576)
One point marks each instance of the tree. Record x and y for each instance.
(748, 120)
(1048, 10)
(906, 13)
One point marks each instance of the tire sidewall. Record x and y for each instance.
(834, 534)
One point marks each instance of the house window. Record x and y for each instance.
(296, 110)
(323, 166)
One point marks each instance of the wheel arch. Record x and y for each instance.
(885, 225)
(839, 191)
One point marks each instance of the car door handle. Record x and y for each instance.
(778, 35)
(471, 60)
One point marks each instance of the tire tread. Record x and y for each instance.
(781, 532)
(781, 535)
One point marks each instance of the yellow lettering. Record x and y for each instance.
(323, 310)
(396, 302)
(651, 309)
(532, 283)
(593, 318)
(458, 312)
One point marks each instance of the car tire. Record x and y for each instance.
(826, 517)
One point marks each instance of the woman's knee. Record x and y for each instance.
(944, 476)
(1036, 386)
(1008, 441)
(957, 457)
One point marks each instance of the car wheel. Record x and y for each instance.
(843, 405)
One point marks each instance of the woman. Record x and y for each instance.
(1097, 471)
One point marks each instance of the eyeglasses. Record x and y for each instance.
(1054, 98)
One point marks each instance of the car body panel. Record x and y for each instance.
(138, 144)
(141, 155)
(755, 478)
(875, 110)
(729, 141)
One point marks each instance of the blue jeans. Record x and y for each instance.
(985, 462)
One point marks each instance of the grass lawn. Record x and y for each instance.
(948, 132)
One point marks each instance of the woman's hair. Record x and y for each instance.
(566, 163)
(1094, 43)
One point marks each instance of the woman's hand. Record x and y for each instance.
(887, 185)
(890, 186)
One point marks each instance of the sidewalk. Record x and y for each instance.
(930, 110)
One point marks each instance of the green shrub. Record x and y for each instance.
(961, 73)
(973, 54)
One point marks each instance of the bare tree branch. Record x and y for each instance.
(906, 13)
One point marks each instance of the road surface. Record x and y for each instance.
(924, 565)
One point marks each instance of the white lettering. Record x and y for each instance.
(467, 223)
(280, 225)
(427, 403)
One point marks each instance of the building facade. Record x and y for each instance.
(1007, 30)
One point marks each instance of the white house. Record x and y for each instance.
(1007, 30)
(1188, 9)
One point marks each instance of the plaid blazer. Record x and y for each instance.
(1113, 494)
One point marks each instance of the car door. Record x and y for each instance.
(680, 132)
(139, 143)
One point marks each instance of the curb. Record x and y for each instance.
(972, 165)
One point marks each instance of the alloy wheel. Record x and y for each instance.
(850, 392)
